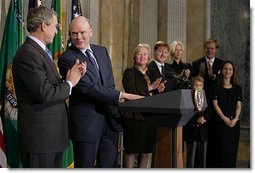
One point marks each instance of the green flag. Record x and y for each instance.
(68, 160)
(13, 37)
(56, 49)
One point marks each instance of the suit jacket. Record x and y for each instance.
(171, 83)
(91, 96)
(42, 112)
(208, 82)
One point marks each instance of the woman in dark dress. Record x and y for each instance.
(227, 98)
(138, 133)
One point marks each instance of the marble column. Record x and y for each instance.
(176, 21)
(132, 38)
(196, 29)
(148, 21)
(111, 34)
(162, 20)
(93, 14)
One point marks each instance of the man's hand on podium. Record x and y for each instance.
(127, 96)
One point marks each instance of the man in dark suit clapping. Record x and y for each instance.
(209, 68)
(163, 69)
(93, 131)
(42, 111)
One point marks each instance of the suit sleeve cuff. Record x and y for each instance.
(120, 98)
(71, 86)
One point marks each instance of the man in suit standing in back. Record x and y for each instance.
(93, 131)
(209, 68)
(42, 112)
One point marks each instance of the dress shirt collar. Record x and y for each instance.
(159, 65)
(39, 42)
(84, 50)
(212, 60)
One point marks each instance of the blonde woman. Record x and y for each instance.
(177, 55)
(138, 133)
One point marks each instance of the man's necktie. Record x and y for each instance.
(49, 53)
(209, 67)
(93, 61)
(163, 72)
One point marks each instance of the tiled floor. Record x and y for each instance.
(243, 157)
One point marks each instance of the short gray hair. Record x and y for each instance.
(38, 15)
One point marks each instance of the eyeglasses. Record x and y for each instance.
(76, 34)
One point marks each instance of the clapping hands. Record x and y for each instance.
(158, 84)
(76, 72)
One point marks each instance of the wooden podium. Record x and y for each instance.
(168, 112)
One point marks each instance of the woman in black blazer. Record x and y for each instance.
(138, 134)
(178, 64)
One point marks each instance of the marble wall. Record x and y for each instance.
(230, 24)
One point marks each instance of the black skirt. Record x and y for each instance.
(139, 136)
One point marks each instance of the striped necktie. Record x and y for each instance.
(209, 67)
(93, 61)
(49, 53)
